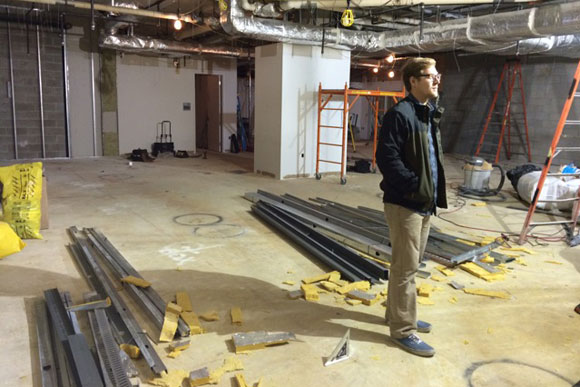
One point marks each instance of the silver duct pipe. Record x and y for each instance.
(140, 45)
(113, 27)
(234, 22)
(473, 33)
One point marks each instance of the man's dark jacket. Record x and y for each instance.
(403, 157)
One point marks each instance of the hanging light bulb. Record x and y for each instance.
(391, 74)
(390, 58)
(375, 70)
(177, 24)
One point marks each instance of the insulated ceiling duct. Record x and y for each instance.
(138, 44)
(533, 30)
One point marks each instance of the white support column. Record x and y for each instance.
(287, 78)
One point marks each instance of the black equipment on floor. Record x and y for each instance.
(164, 139)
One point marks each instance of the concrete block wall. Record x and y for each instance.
(26, 93)
(467, 89)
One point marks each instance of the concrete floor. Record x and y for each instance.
(531, 339)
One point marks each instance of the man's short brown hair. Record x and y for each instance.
(413, 68)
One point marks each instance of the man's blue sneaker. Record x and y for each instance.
(415, 345)
(422, 326)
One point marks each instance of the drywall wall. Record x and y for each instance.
(303, 68)
(286, 115)
(151, 90)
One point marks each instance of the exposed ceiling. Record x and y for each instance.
(234, 27)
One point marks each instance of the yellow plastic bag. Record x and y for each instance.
(21, 196)
(10, 243)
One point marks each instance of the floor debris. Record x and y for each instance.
(258, 340)
(425, 301)
(131, 350)
(172, 313)
(192, 321)
(310, 292)
(199, 377)
(488, 293)
(366, 298)
(182, 299)
(210, 316)
(288, 282)
(236, 314)
(173, 378)
(136, 281)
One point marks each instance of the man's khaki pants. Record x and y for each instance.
(408, 234)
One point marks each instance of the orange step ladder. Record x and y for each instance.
(513, 70)
(569, 225)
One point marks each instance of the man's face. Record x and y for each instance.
(426, 85)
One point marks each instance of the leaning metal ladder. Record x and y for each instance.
(552, 153)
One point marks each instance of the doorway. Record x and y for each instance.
(208, 112)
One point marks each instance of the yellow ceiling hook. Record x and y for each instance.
(347, 18)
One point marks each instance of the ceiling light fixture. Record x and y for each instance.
(375, 70)
(177, 24)
(391, 74)
(390, 58)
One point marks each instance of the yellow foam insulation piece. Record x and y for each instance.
(465, 342)
(489, 331)
(339, 282)
(522, 249)
(352, 301)
(479, 204)
(437, 278)
(360, 285)
(192, 321)
(425, 290)
(132, 350)
(174, 354)
(554, 262)
(487, 240)
(334, 276)
(210, 316)
(385, 292)
(480, 272)
(140, 282)
(364, 300)
(182, 299)
(521, 261)
(425, 301)
(236, 314)
(310, 292)
(323, 277)
(241, 381)
(259, 382)
(230, 364)
(453, 300)
(445, 271)
(172, 312)
(466, 242)
(487, 259)
(288, 282)
(173, 378)
(330, 286)
(488, 293)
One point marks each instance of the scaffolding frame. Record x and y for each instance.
(324, 97)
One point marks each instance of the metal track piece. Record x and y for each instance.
(103, 285)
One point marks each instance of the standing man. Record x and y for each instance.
(409, 156)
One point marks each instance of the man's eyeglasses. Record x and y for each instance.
(431, 77)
